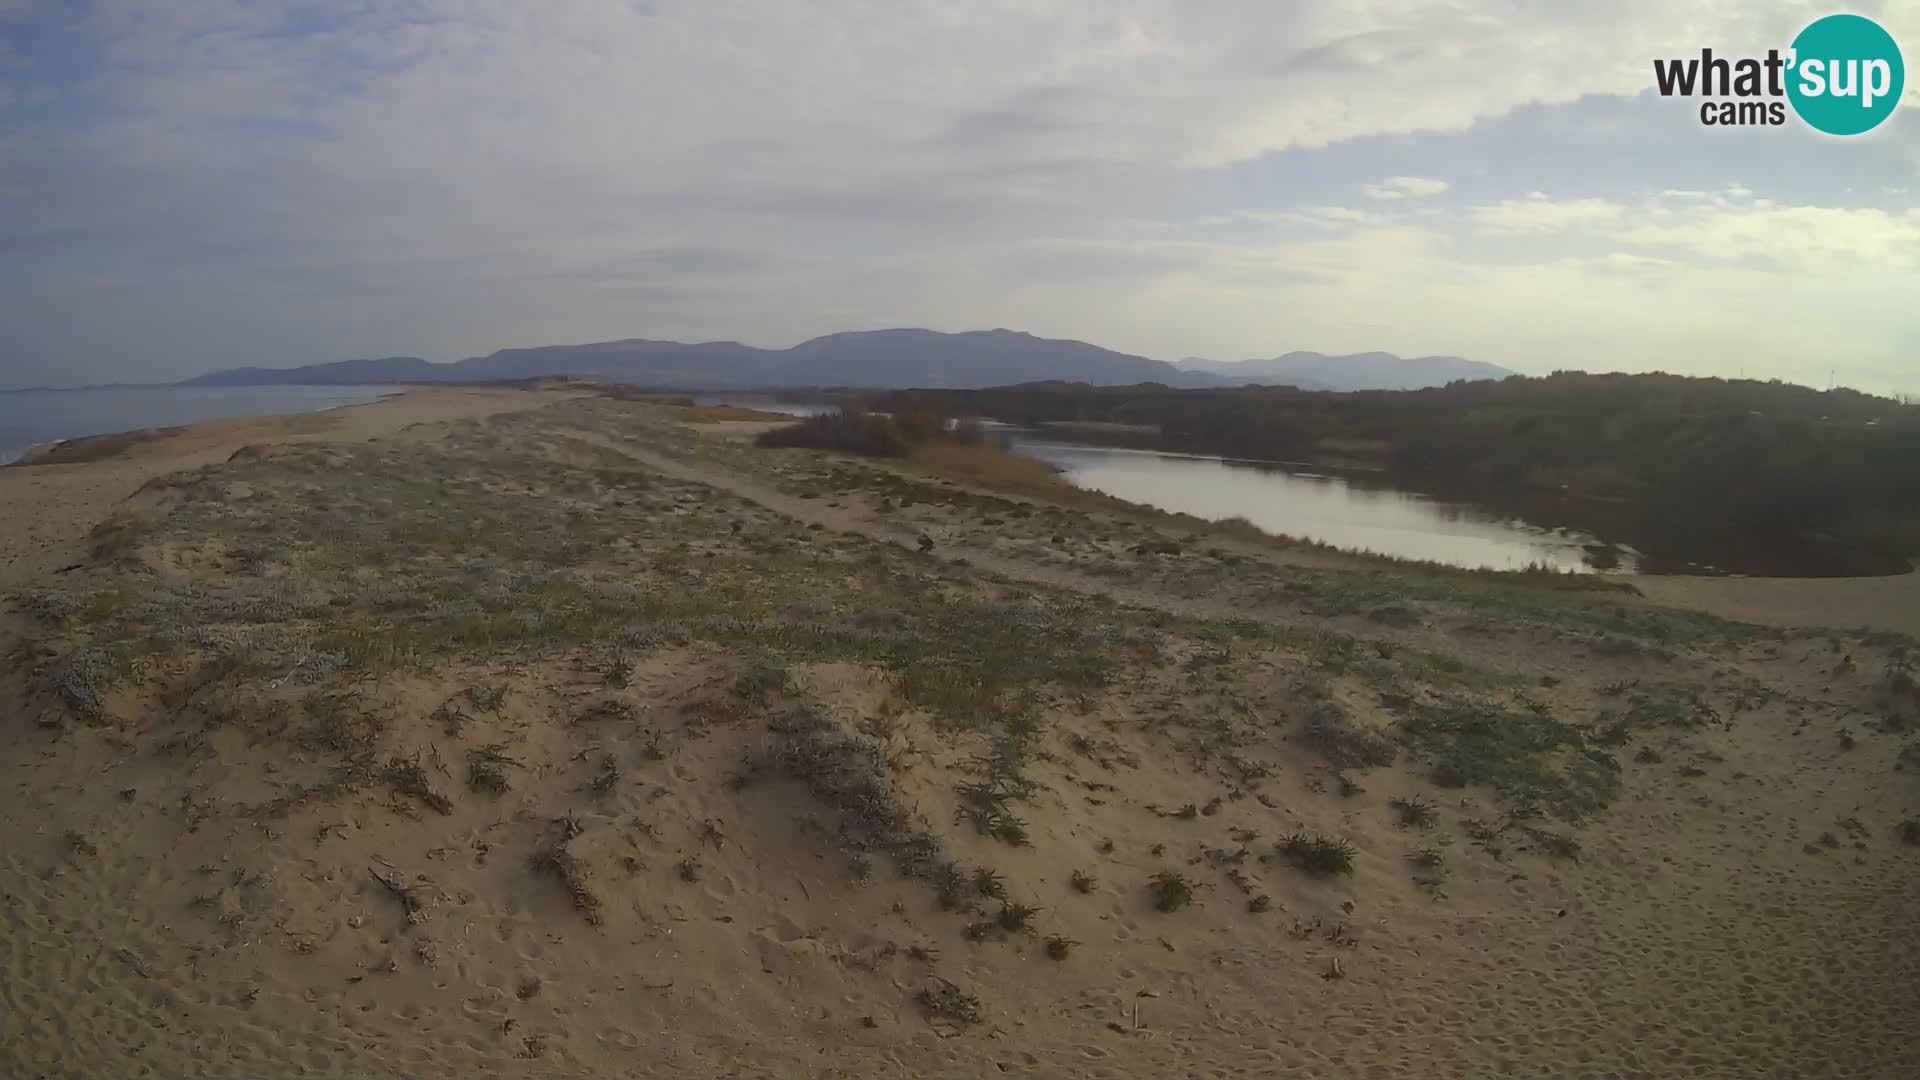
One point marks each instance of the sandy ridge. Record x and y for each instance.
(49, 509)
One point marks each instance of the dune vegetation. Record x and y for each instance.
(577, 741)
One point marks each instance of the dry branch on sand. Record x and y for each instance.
(408, 895)
(556, 858)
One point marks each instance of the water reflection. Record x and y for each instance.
(1343, 511)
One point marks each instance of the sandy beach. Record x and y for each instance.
(482, 732)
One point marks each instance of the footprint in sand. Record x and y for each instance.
(621, 1037)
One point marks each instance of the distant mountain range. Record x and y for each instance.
(878, 358)
(1353, 371)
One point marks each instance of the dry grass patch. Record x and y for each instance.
(999, 470)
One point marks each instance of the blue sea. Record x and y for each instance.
(30, 418)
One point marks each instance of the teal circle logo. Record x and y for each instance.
(1846, 75)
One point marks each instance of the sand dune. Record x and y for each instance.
(51, 507)
(573, 742)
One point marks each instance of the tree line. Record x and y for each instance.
(1739, 462)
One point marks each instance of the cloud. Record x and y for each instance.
(1802, 240)
(1541, 215)
(273, 181)
(1728, 226)
(1318, 217)
(1405, 187)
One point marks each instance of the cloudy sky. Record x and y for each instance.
(192, 184)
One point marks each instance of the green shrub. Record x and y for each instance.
(1170, 890)
(1318, 855)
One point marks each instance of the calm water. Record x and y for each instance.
(31, 417)
(1336, 510)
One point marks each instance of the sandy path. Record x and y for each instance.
(845, 520)
(1883, 603)
(49, 509)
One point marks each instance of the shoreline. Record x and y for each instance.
(1882, 601)
(1529, 507)
(33, 453)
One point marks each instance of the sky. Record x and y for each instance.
(188, 185)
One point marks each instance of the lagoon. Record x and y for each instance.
(1353, 511)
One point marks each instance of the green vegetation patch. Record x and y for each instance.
(370, 559)
(1534, 762)
(1647, 706)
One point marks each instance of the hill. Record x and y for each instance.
(338, 373)
(898, 358)
(878, 358)
(1353, 371)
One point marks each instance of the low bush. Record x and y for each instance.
(848, 430)
(1318, 855)
(896, 435)
(1170, 890)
